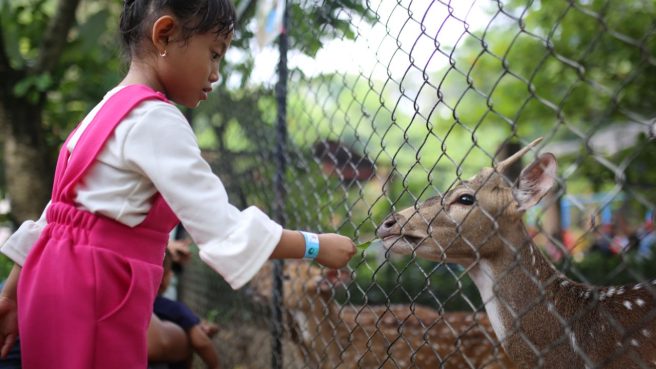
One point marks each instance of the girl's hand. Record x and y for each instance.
(335, 250)
(180, 250)
(8, 324)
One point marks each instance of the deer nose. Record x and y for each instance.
(389, 227)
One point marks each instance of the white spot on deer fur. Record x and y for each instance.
(564, 283)
(611, 292)
(645, 332)
(302, 321)
(627, 304)
(637, 286)
(572, 338)
(620, 290)
(640, 302)
(635, 343)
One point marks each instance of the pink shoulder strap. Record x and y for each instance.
(70, 171)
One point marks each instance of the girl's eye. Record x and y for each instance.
(466, 199)
(216, 56)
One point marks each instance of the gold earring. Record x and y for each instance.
(163, 53)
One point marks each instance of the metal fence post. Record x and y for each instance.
(279, 203)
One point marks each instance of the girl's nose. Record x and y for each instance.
(214, 73)
(214, 76)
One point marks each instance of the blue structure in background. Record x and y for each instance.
(606, 201)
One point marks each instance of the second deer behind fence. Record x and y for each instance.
(400, 336)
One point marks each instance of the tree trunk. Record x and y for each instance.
(26, 157)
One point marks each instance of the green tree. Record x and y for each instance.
(50, 64)
(29, 68)
(58, 57)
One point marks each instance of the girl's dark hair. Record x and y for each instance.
(196, 17)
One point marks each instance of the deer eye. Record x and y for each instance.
(466, 199)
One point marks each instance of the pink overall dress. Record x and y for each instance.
(86, 291)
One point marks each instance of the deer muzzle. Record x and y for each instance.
(396, 236)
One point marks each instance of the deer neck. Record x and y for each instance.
(518, 286)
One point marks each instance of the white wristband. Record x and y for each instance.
(311, 245)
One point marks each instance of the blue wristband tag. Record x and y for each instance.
(311, 245)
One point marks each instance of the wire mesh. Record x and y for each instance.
(396, 105)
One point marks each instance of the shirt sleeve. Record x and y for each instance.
(232, 242)
(19, 244)
(176, 312)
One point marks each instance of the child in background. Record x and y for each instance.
(125, 177)
(179, 250)
(200, 332)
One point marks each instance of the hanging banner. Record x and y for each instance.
(269, 21)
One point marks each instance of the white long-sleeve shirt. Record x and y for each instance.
(154, 149)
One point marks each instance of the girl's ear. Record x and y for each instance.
(162, 32)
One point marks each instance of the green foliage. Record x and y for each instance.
(33, 86)
(611, 270)
(5, 267)
(568, 62)
(22, 24)
(323, 21)
(637, 176)
(411, 280)
(313, 24)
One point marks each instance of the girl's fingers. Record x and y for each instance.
(6, 346)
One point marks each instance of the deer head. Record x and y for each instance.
(302, 282)
(458, 226)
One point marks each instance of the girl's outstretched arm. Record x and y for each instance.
(334, 250)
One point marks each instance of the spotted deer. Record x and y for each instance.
(542, 318)
(399, 336)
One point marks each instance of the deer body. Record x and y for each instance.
(334, 336)
(542, 318)
(563, 322)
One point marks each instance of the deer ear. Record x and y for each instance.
(535, 181)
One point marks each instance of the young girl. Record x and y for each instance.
(91, 265)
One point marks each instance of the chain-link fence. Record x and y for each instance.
(384, 105)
